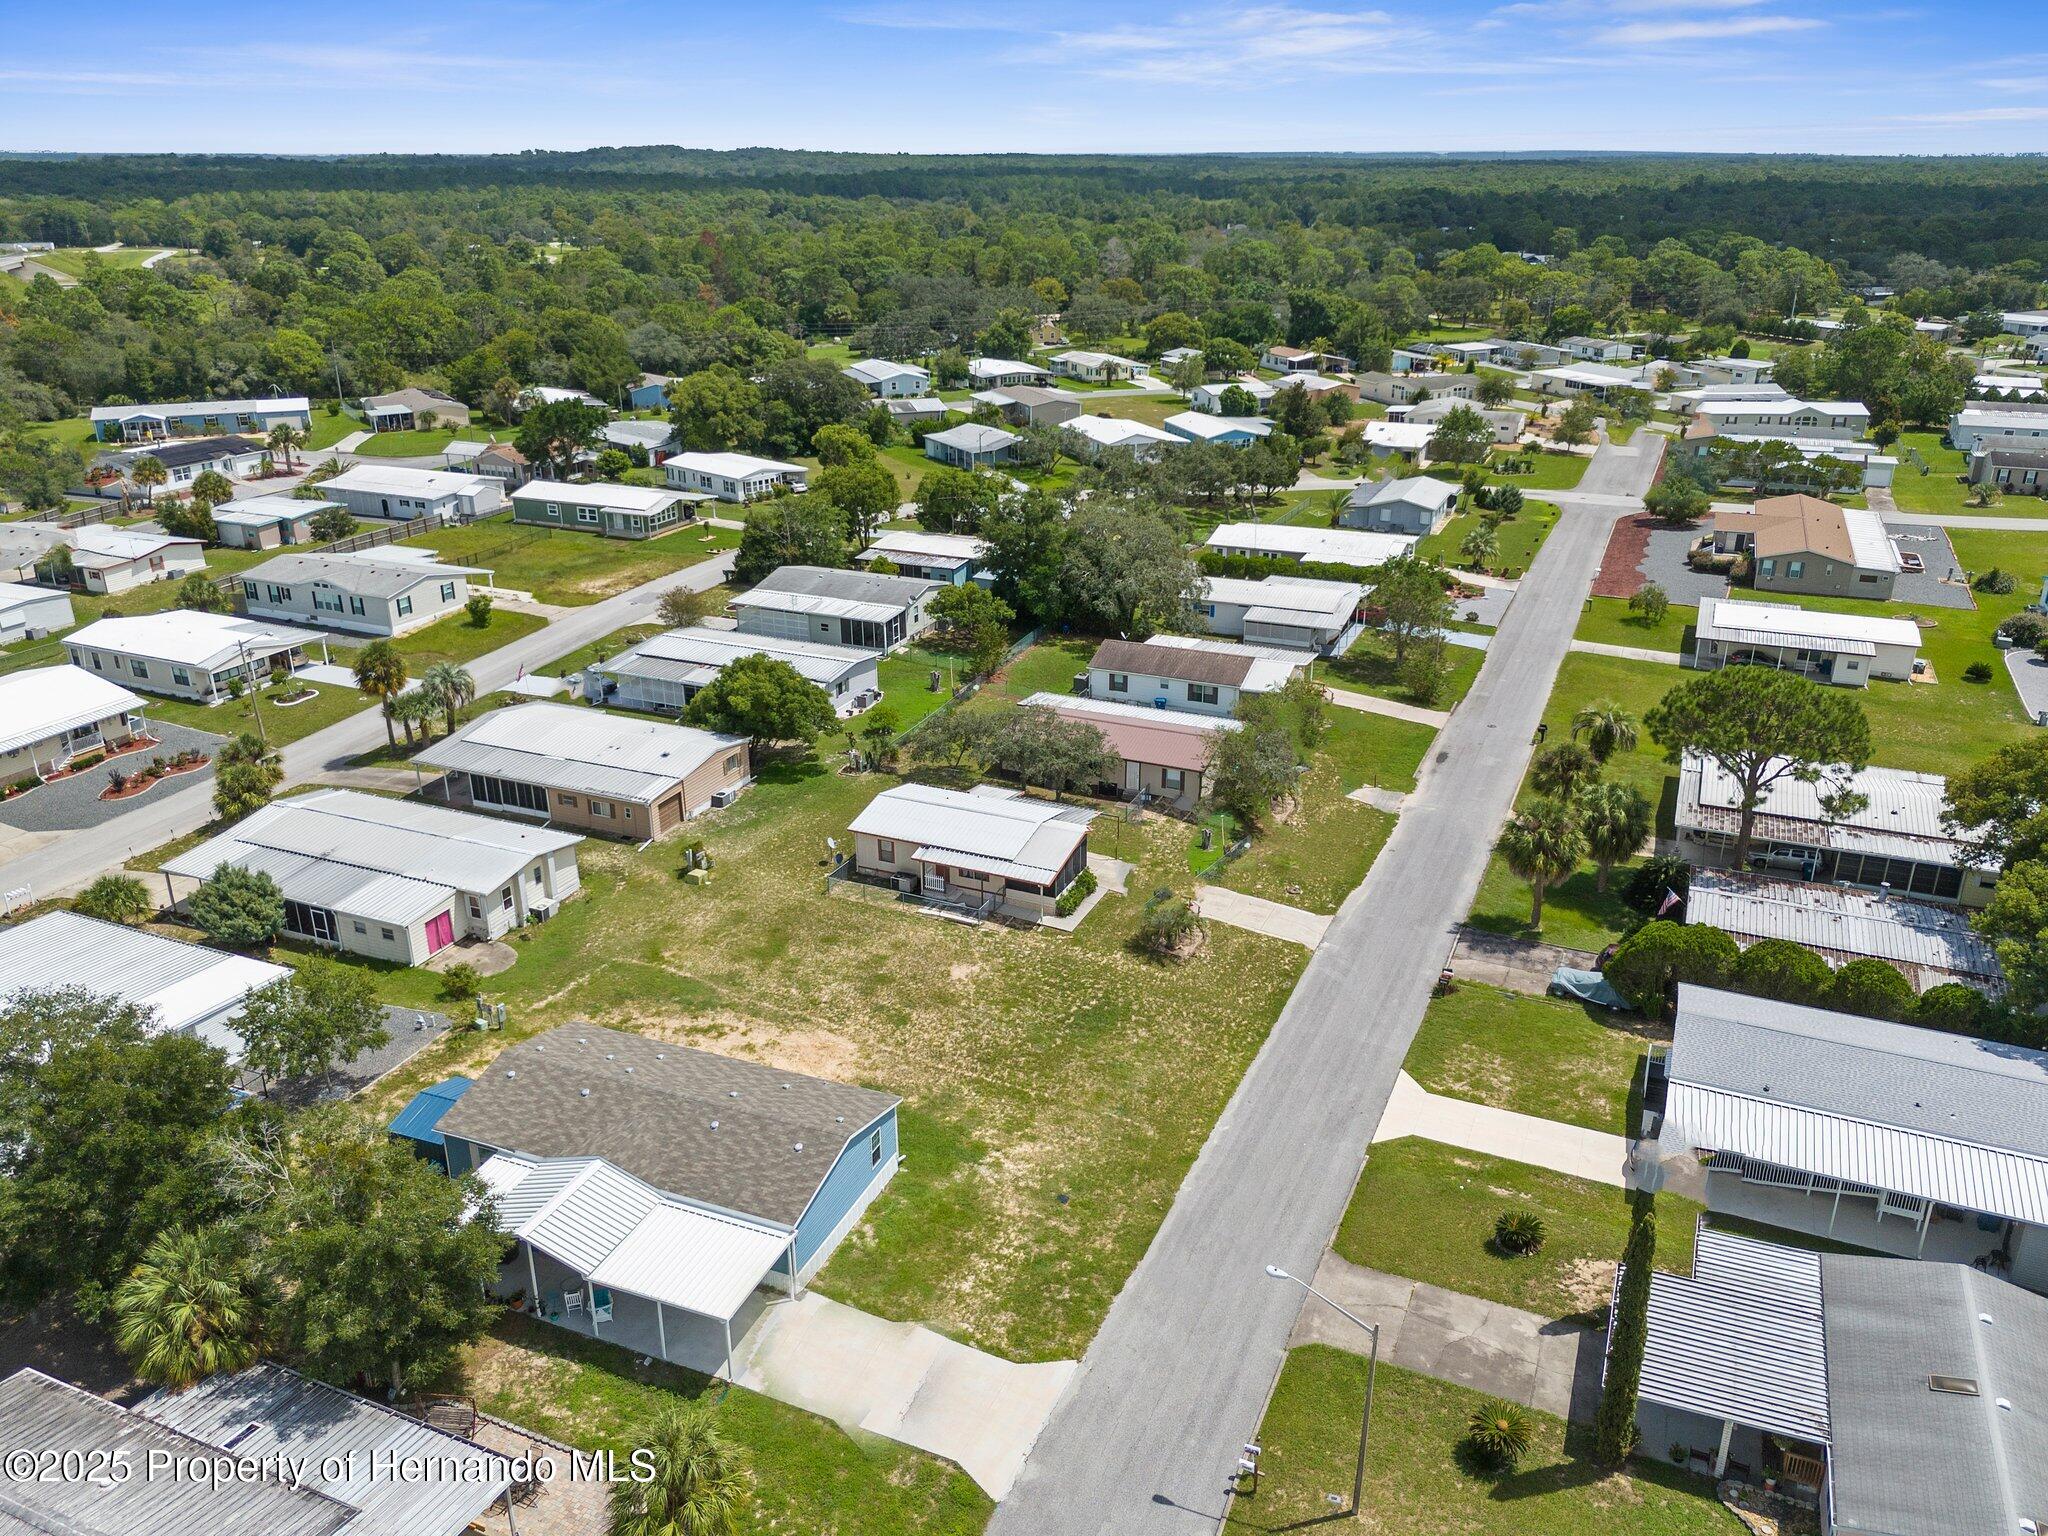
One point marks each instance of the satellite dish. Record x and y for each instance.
(832, 843)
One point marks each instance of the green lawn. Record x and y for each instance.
(1608, 621)
(152, 597)
(330, 428)
(1148, 408)
(1538, 1055)
(75, 260)
(456, 639)
(72, 431)
(1417, 1483)
(1368, 667)
(282, 723)
(1520, 537)
(838, 353)
(1427, 1211)
(1941, 490)
(562, 565)
(406, 445)
(907, 465)
(1032, 1065)
(905, 677)
(1551, 471)
(600, 649)
(807, 1474)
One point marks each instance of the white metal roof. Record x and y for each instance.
(398, 480)
(262, 511)
(974, 437)
(1332, 546)
(275, 404)
(1401, 436)
(879, 370)
(1082, 358)
(1741, 1337)
(638, 500)
(1251, 384)
(835, 593)
(185, 986)
(1300, 599)
(1935, 941)
(638, 434)
(1599, 375)
(1000, 367)
(898, 544)
(618, 1232)
(735, 466)
(39, 702)
(16, 594)
(1118, 432)
(696, 655)
(1411, 490)
(1786, 407)
(1005, 834)
(1858, 634)
(1200, 424)
(566, 747)
(1889, 1106)
(391, 858)
(96, 545)
(187, 637)
(1901, 820)
(385, 571)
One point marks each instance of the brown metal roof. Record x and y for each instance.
(1190, 664)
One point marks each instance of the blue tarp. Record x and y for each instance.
(1586, 986)
(420, 1120)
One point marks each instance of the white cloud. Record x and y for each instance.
(1717, 28)
(1981, 115)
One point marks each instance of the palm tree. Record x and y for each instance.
(698, 1486)
(1616, 819)
(416, 707)
(1481, 546)
(1607, 727)
(1562, 771)
(451, 688)
(188, 1310)
(149, 473)
(380, 672)
(1543, 844)
(283, 438)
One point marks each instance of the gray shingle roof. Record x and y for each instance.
(363, 574)
(651, 1109)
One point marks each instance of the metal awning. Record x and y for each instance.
(692, 1259)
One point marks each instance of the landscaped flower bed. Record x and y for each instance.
(123, 786)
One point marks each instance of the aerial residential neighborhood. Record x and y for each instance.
(1037, 829)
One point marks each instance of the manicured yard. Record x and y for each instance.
(561, 565)
(1148, 408)
(907, 465)
(1417, 1483)
(1033, 1065)
(838, 353)
(282, 723)
(1941, 490)
(75, 260)
(406, 445)
(807, 1474)
(905, 677)
(1427, 1211)
(1520, 537)
(1608, 621)
(1368, 667)
(329, 428)
(1538, 1055)
(152, 597)
(456, 639)
(72, 431)
(1550, 472)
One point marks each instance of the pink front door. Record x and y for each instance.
(440, 932)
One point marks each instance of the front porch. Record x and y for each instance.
(1856, 1217)
(251, 672)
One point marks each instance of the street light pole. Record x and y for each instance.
(1371, 1370)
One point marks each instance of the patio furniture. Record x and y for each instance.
(574, 1299)
(600, 1304)
(551, 1307)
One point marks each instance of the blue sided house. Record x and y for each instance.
(653, 1195)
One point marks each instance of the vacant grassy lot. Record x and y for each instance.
(455, 638)
(1608, 621)
(1417, 1483)
(406, 445)
(560, 565)
(1369, 667)
(807, 1473)
(1942, 490)
(1033, 1065)
(1148, 408)
(1536, 1055)
(1520, 537)
(1550, 472)
(1427, 1211)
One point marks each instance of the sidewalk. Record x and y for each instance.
(1255, 914)
(1628, 652)
(1373, 704)
(1597, 1156)
(1501, 1351)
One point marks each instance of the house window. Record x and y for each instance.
(476, 908)
(885, 850)
(1794, 569)
(554, 511)
(355, 606)
(388, 934)
(1767, 568)
(1202, 693)
(1172, 778)
(732, 763)
(447, 591)
(248, 589)
(601, 809)
(586, 514)
(181, 677)
(404, 606)
(875, 1150)
(505, 899)
(1119, 683)
(359, 927)
(140, 669)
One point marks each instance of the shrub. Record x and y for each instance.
(1499, 1433)
(1781, 969)
(1650, 962)
(1075, 894)
(478, 608)
(1977, 672)
(1654, 882)
(1519, 1232)
(1998, 582)
(1614, 1427)
(461, 983)
(1167, 922)
(90, 760)
(2026, 630)
(114, 899)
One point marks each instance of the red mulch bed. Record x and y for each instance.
(143, 786)
(1620, 568)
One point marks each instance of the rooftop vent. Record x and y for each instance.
(714, 1125)
(1960, 1386)
(799, 1147)
(511, 1071)
(583, 1092)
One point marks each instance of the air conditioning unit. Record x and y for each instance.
(721, 798)
(540, 912)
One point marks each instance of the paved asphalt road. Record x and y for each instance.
(1148, 1435)
(76, 857)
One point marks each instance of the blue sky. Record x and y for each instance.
(967, 75)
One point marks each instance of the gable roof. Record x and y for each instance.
(400, 480)
(1168, 738)
(187, 637)
(38, 702)
(879, 370)
(1193, 664)
(1411, 490)
(635, 500)
(730, 1134)
(996, 832)
(974, 437)
(1902, 816)
(256, 407)
(914, 544)
(585, 750)
(732, 466)
(381, 572)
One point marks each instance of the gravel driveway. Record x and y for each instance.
(72, 803)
